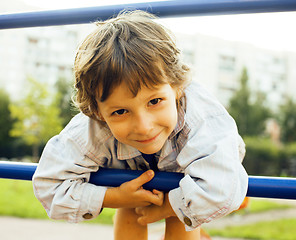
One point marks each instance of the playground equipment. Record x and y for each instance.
(268, 187)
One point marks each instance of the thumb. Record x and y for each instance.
(142, 179)
(142, 221)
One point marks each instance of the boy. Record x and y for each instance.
(140, 111)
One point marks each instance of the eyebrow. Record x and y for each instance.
(156, 94)
(153, 95)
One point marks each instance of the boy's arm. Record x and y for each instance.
(215, 181)
(60, 182)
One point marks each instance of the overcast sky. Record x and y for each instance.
(269, 30)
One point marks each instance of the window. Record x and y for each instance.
(226, 62)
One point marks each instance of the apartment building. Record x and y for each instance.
(218, 64)
(47, 53)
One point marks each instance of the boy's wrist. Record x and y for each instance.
(111, 198)
(168, 208)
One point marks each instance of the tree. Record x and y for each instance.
(239, 105)
(36, 116)
(64, 101)
(5, 121)
(287, 120)
(250, 117)
(259, 114)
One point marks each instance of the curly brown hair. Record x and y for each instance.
(131, 48)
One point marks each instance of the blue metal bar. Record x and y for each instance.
(162, 9)
(266, 187)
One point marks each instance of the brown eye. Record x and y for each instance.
(154, 101)
(119, 112)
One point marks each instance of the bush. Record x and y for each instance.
(265, 158)
(289, 155)
(262, 157)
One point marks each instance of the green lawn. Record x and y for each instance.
(284, 229)
(17, 199)
(258, 205)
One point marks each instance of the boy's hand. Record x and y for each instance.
(153, 213)
(131, 194)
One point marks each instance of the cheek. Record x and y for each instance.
(119, 131)
(174, 119)
(170, 117)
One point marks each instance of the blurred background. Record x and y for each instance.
(247, 61)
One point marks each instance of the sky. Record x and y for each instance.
(268, 30)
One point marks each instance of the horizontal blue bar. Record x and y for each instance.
(162, 9)
(265, 187)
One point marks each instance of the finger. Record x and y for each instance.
(142, 221)
(158, 193)
(142, 179)
(160, 196)
(139, 210)
(156, 200)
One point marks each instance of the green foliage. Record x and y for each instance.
(239, 106)
(262, 157)
(8, 145)
(290, 150)
(284, 229)
(287, 119)
(265, 158)
(5, 119)
(64, 101)
(36, 115)
(259, 114)
(250, 117)
(288, 159)
(30, 122)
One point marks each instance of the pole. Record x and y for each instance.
(265, 187)
(175, 8)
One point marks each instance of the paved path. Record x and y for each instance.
(31, 229)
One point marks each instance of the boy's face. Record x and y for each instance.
(143, 122)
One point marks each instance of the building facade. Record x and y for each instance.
(47, 54)
(218, 64)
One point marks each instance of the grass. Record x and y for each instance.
(258, 205)
(17, 199)
(284, 229)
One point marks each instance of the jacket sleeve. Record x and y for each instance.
(60, 182)
(215, 181)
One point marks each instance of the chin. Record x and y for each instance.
(150, 151)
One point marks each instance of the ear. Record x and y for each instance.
(179, 93)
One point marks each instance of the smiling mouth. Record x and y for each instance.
(148, 140)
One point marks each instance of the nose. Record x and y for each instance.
(142, 124)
